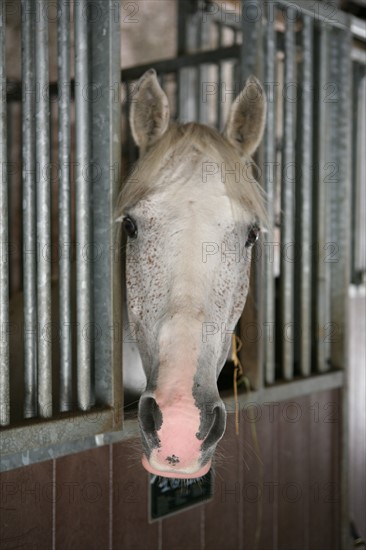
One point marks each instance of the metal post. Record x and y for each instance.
(4, 238)
(105, 156)
(43, 217)
(250, 12)
(321, 275)
(83, 229)
(64, 201)
(341, 201)
(219, 121)
(29, 211)
(304, 203)
(287, 201)
(269, 180)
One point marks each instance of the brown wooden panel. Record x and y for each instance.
(26, 507)
(259, 473)
(183, 531)
(82, 508)
(131, 529)
(325, 423)
(222, 514)
(293, 475)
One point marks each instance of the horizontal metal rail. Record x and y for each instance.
(73, 437)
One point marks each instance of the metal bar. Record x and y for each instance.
(29, 213)
(249, 45)
(83, 225)
(219, 123)
(321, 303)
(203, 73)
(130, 431)
(188, 77)
(43, 220)
(269, 181)
(64, 205)
(287, 203)
(41, 433)
(4, 238)
(341, 201)
(304, 204)
(199, 42)
(77, 433)
(105, 154)
(359, 177)
(356, 76)
(182, 14)
(184, 61)
(181, 50)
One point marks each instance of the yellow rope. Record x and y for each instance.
(238, 370)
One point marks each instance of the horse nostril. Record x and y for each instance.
(150, 416)
(217, 428)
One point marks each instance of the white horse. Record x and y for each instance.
(191, 212)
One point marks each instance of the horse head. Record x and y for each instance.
(191, 210)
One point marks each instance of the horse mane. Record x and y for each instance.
(192, 144)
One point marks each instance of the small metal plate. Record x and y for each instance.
(169, 496)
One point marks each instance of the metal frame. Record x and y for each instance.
(97, 123)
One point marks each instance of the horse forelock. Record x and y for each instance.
(184, 148)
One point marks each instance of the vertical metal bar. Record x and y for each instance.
(203, 71)
(181, 50)
(250, 21)
(358, 164)
(251, 62)
(356, 77)
(29, 213)
(340, 203)
(269, 181)
(64, 201)
(83, 225)
(304, 203)
(182, 13)
(188, 77)
(219, 123)
(43, 218)
(287, 202)
(105, 154)
(4, 257)
(199, 70)
(321, 304)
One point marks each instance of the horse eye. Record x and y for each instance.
(253, 236)
(130, 227)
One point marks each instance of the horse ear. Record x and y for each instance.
(149, 115)
(245, 126)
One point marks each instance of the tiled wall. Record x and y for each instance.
(97, 500)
